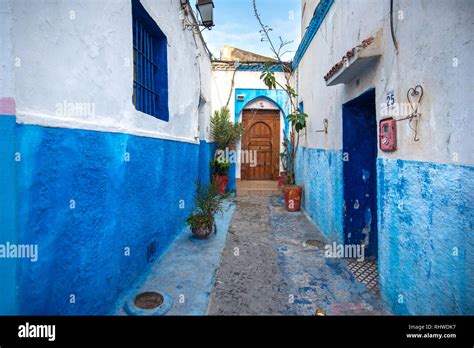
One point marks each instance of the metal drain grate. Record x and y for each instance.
(367, 273)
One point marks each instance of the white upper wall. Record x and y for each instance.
(432, 36)
(222, 86)
(81, 52)
(307, 10)
(6, 63)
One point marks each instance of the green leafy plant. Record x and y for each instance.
(208, 200)
(224, 133)
(199, 221)
(296, 117)
(220, 167)
(208, 203)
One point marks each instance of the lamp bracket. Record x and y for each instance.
(192, 23)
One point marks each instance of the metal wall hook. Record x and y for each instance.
(326, 126)
(414, 96)
(417, 91)
(417, 94)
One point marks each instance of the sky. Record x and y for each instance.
(236, 25)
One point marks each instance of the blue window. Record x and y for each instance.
(301, 107)
(150, 66)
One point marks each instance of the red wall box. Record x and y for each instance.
(388, 134)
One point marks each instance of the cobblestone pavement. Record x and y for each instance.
(268, 269)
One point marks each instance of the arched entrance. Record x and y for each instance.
(261, 141)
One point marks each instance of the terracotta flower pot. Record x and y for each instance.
(293, 197)
(202, 232)
(221, 181)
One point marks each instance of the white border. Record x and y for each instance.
(50, 121)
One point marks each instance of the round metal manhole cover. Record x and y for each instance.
(313, 243)
(148, 300)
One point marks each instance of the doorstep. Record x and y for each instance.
(264, 188)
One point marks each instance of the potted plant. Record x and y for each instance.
(208, 203)
(296, 116)
(225, 135)
(292, 191)
(220, 170)
(201, 225)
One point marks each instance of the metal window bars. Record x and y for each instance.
(145, 89)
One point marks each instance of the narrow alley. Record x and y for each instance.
(226, 161)
(274, 263)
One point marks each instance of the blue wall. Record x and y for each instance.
(426, 210)
(118, 204)
(206, 154)
(8, 233)
(231, 185)
(320, 172)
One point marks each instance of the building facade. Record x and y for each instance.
(402, 188)
(104, 106)
(236, 84)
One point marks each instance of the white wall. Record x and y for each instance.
(81, 52)
(430, 35)
(307, 10)
(221, 86)
(6, 63)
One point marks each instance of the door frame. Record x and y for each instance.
(271, 118)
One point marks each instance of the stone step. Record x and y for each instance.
(257, 192)
(257, 188)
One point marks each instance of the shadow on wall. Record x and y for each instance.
(320, 172)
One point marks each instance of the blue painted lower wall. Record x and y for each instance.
(232, 185)
(206, 154)
(425, 228)
(320, 172)
(85, 206)
(8, 233)
(426, 237)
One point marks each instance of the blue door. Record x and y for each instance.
(360, 182)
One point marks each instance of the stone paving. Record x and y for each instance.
(249, 280)
(268, 269)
